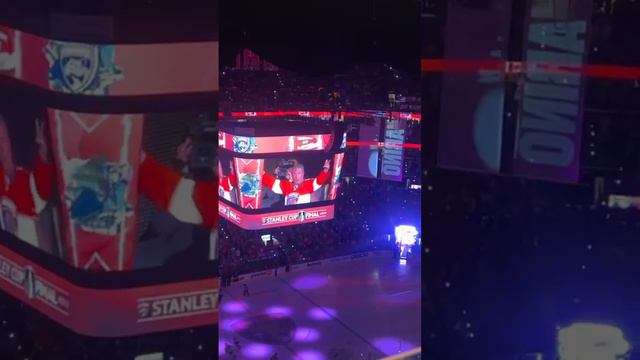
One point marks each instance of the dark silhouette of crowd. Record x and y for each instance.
(28, 335)
(364, 87)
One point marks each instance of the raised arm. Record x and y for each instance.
(187, 200)
(311, 185)
(281, 187)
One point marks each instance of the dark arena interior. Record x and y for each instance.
(291, 271)
(530, 260)
(392, 179)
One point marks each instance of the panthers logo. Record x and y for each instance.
(242, 144)
(82, 68)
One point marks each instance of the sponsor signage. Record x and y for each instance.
(549, 133)
(391, 167)
(109, 312)
(177, 305)
(35, 287)
(276, 219)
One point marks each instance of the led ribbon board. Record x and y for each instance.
(107, 69)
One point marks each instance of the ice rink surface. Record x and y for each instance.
(359, 309)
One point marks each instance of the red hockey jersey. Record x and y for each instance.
(190, 201)
(25, 198)
(227, 183)
(303, 191)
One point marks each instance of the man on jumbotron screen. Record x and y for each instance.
(295, 188)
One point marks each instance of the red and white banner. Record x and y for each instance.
(109, 312)
(273, 144)
(106, 69)
(277, 218)
(97, 158)
(249, 172)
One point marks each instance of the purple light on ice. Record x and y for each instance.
(227, 324)
(234, 307)
(257, 351)
(221, 343)
(306, 282)
(392, 346)
(310, 355)
(306, 335)
(240, 325)
(322, 313)
(282, 311)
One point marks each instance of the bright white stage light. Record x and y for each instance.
(586, 341)
(406, 234)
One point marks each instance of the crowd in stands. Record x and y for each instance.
(366, 211)
(363, 87)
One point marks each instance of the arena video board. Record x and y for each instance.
(382, 154)
(87, 195)
(470, 133)
(279, 180)
(107, 69)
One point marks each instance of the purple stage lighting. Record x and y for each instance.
(392, 346)
(227, 324)
(282, 311)
(240, 325)
(235, 307)
(322, 313)
(257, 351)
(221, 343)
(310, 355)
(306, 335)
(313, 281)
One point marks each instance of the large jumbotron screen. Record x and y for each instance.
(108, 214)
(272, 177)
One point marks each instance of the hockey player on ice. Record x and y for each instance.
(295, 188)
